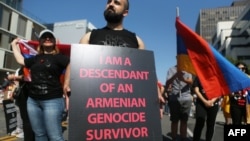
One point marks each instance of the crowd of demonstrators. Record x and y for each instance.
(205, 112)
(238, 101)
(44, 99)
(45, 103)
(21, 102)
(179, 100)
(235, 106)
(18, 132)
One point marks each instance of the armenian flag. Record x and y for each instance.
(217, 75)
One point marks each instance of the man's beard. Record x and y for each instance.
(112, 17)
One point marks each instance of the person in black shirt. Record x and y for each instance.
(206, 112)
(238, 101)
(22, 104)
(46, 103)
(113, 34)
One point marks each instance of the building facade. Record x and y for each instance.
(63, 30)
(16, 4)
(208, 18)
(14, 24)
(232, 38)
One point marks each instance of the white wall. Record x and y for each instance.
(70, 31)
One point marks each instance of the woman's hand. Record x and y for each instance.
(14, 43)
(209, 103)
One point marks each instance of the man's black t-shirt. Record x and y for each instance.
(109, 37)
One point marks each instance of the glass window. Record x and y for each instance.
(21, 28)
(5, 15)
(4, 41)
(9, 61)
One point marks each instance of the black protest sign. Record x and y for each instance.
(10, 115)
(113, 94)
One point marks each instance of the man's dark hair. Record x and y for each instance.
(127, 6)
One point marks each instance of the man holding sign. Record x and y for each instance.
(113, 84)
(113, 34)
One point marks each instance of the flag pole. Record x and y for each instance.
(177, 12)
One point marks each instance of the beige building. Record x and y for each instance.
(14, 24)
(209, 17)
(232, 38)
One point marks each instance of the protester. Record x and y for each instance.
(18, 132)
(179, 100)
(238, 101)
(21, 100)
(206, 112)
(113, 34)
(248, 96)
(45, 102)
(225, 107)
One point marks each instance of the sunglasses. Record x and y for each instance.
(241, 68)
(47, 35)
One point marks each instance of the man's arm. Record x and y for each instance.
(170, 81)
(85, 38)
(140, 43)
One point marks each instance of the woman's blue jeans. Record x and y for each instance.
(46, 117)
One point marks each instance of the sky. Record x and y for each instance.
(152, 20)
